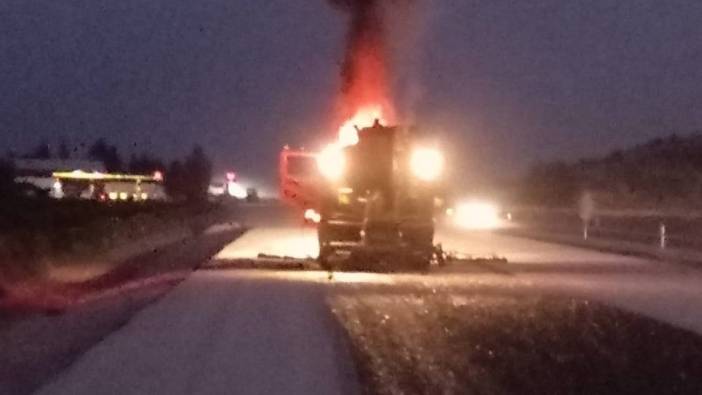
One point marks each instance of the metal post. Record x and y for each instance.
(585, 235)
(662, 235)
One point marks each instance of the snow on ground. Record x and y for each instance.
(294, 242)
(256, 331)
(665, 291)
(37, 346)
(220, 333)
(522, 250)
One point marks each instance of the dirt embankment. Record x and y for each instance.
(37, 346)
(39, 236)
(108, 248)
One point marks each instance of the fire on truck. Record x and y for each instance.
(371, 193)
(374, 200)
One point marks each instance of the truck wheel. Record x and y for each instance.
(423, 263)
(323, 259)
(416, 262)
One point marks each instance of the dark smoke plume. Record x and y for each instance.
(365, 65)
(365, 39)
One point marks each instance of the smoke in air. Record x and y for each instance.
(365, 89)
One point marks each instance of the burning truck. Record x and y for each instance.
(373, 192)
(373, 201)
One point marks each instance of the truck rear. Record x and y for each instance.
(377, 205)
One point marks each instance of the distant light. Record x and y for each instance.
(113, 195)
(96, 175)
(234, 189)
(477, 215)
(144, 196)
(231, 176)
(57, 189)
(123, 195)
(312, 216)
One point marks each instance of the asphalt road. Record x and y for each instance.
(270, 331)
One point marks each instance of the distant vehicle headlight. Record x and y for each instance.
(476, 215)
(427, 164)
(331, 162)
(234, 189)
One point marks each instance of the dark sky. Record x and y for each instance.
(503, 83)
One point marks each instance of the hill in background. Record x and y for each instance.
(661, 173)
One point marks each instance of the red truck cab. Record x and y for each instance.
(299, 179)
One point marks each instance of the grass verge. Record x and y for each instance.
(38, 233)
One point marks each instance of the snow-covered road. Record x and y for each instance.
(270, 331)
(220, 333)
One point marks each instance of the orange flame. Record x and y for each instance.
(367, 97)
(364, 117)
(365, 91)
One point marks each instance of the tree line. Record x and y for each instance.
(100, 151)
(665, 170)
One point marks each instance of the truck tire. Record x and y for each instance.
(323, 259)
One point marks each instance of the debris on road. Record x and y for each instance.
(264, 261)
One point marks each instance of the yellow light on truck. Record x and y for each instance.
(331, 162)
(427, 164)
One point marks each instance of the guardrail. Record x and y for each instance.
(647, 228)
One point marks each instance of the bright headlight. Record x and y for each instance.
(331, 162)
(427, 164)
(312, 216)
(477, 215)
